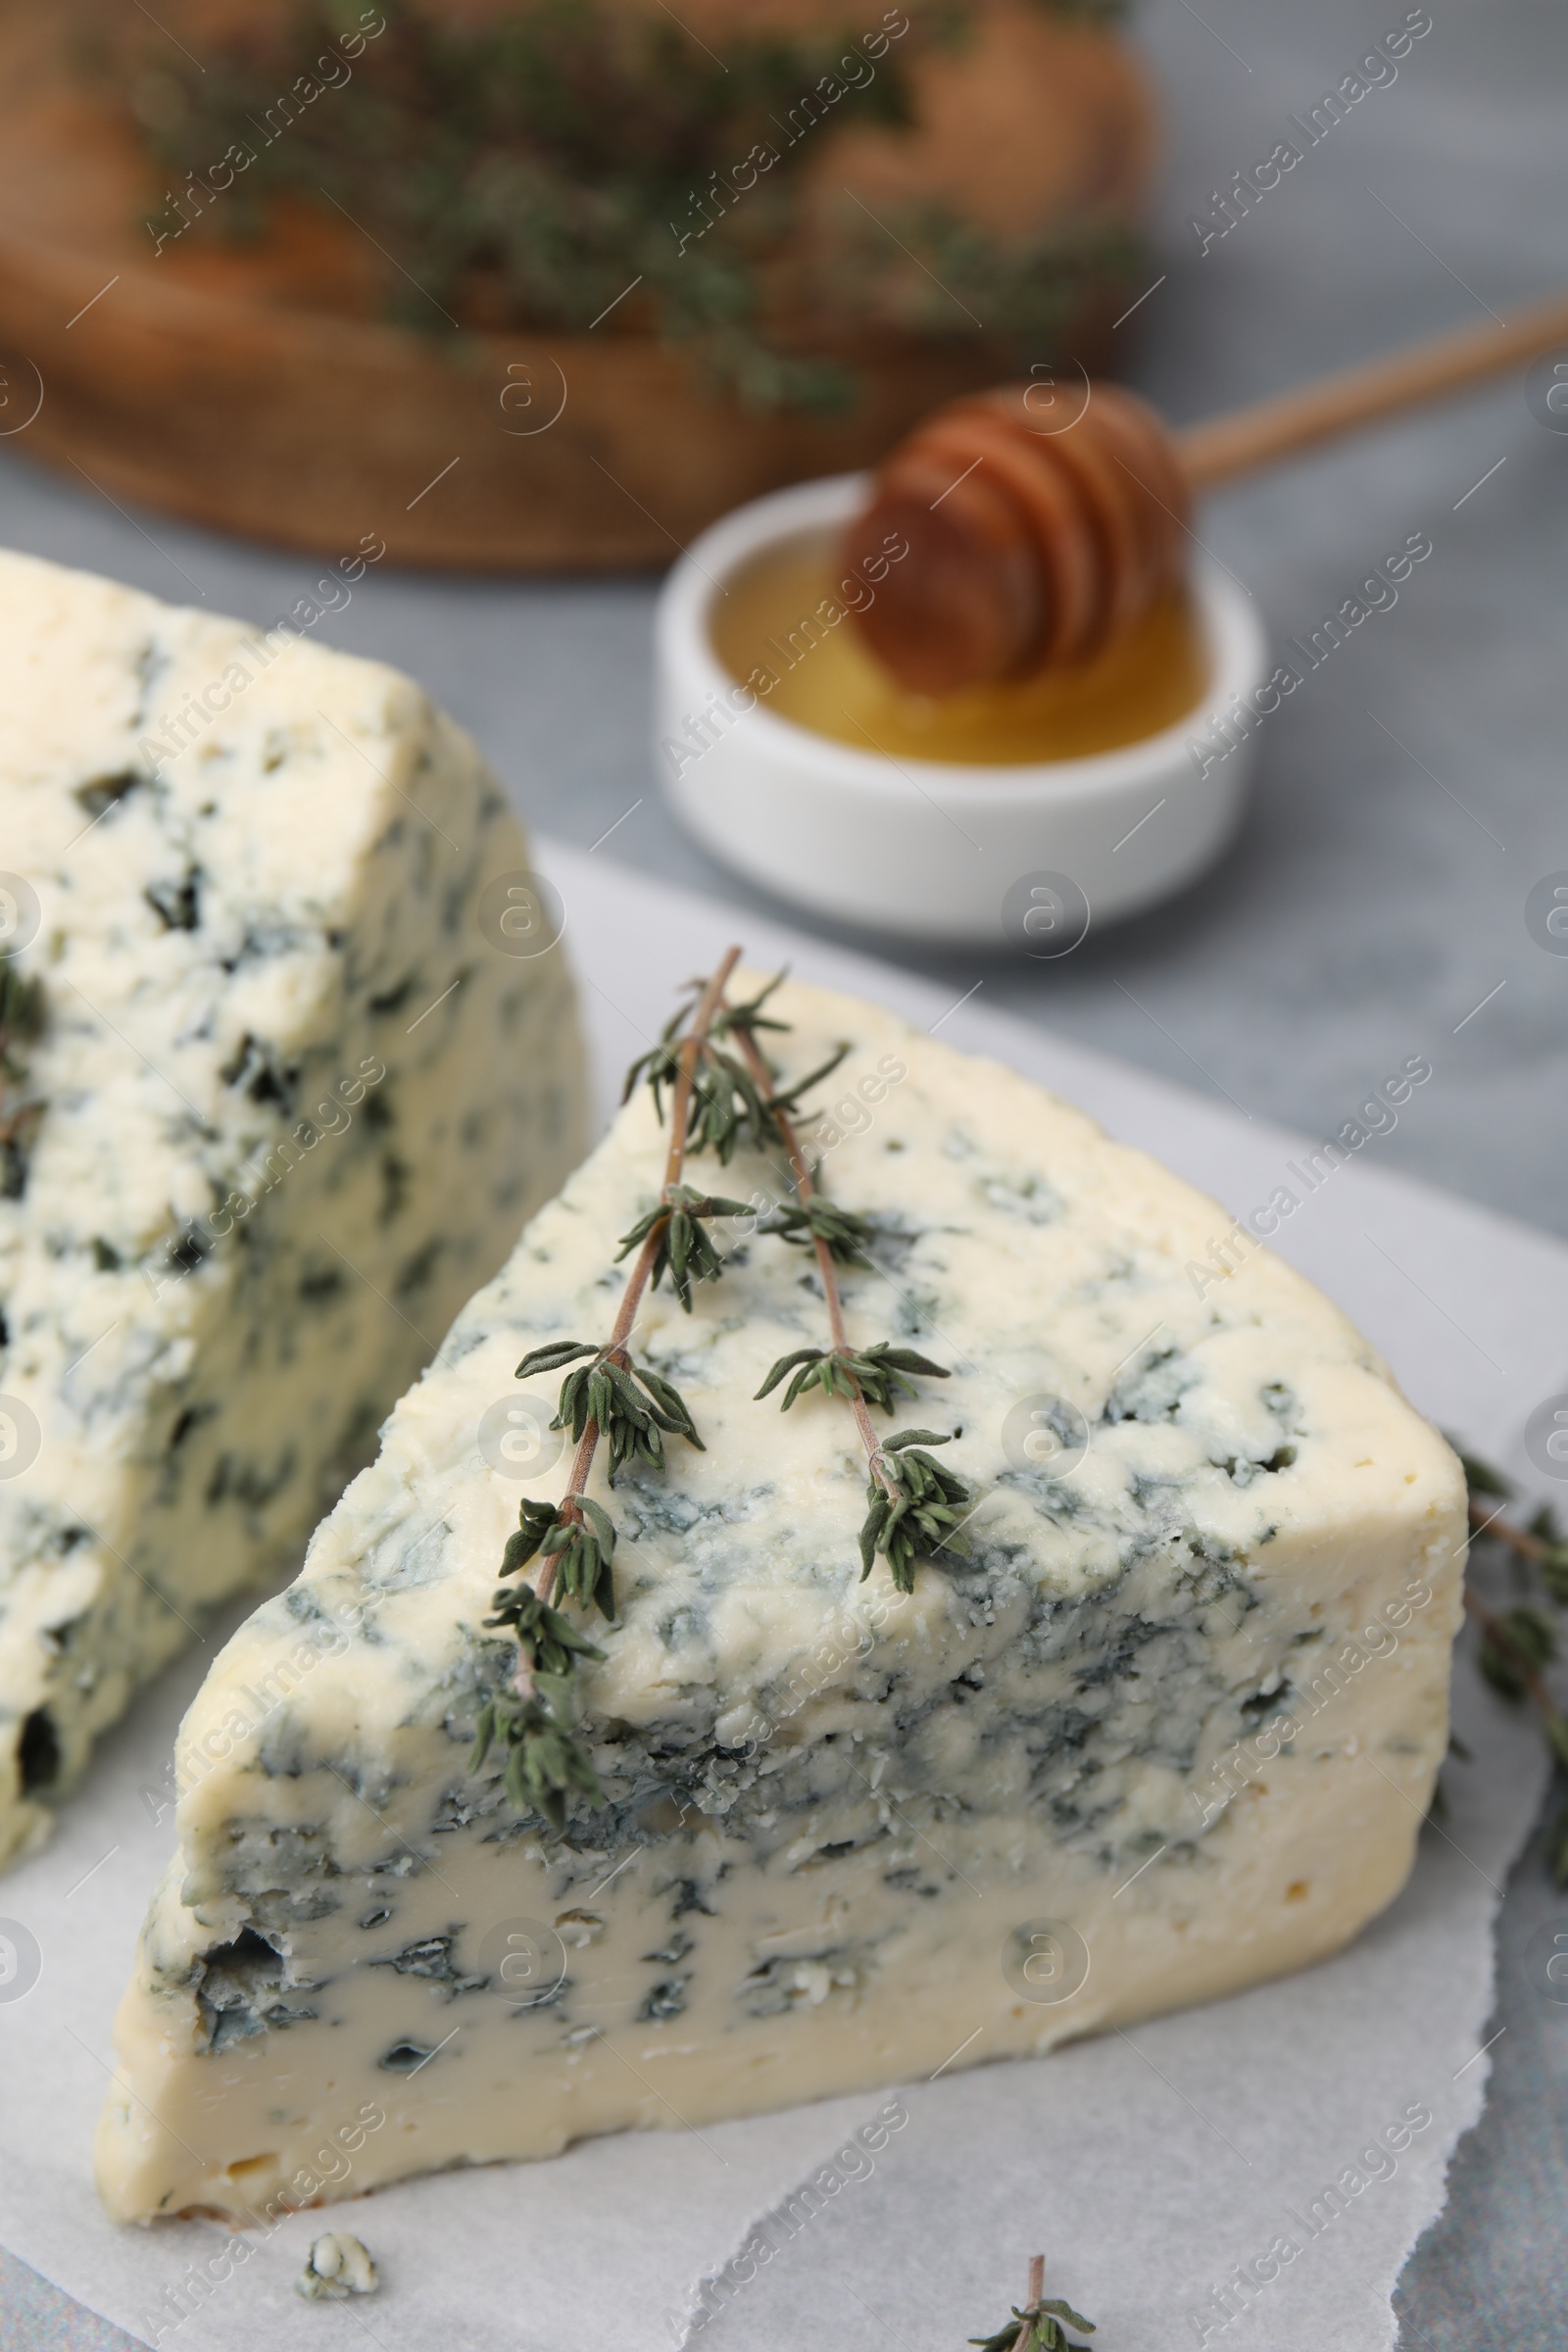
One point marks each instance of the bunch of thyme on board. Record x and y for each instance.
(560, 159)
(1517, 1644)
(721, 1094)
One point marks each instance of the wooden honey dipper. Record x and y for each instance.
(1041, 524)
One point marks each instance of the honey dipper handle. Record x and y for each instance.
(1275, 429)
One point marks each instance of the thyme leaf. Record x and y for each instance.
(684, 1251)
(743, 1020)
(534, 1522)
(552, 1357)
(627, 1403)
(918, 1507)
(848, 1236)
(789, 1102)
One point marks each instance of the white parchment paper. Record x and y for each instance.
(1147, 2165)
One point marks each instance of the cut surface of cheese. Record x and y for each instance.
(293, 1105)
(1168, 1729)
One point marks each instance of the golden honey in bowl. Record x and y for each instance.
(784, 616)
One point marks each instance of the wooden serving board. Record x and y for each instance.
(256, 390)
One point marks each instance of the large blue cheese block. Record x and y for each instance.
(1168, 1729)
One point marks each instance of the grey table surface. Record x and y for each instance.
(1411, 796)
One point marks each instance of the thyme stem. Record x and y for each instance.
(691, 1051)
(1502, 1531)
(807, 1191)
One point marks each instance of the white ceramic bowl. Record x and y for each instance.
(928, 847)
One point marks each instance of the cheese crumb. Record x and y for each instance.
(338, 2265)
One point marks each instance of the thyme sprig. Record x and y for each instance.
(22, 1019)
(606, 1394)
(526, 169)
(605, 1391)
(1517, 1644)
(848, 1236)
(732, 1098)
(545, 1762)
(1039, 2326)
(580, 1549)
(708, 1071)
(1541, 1546)
(911, 1497)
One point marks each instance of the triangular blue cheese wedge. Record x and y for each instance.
(1169, 1728)
(273, 1104)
